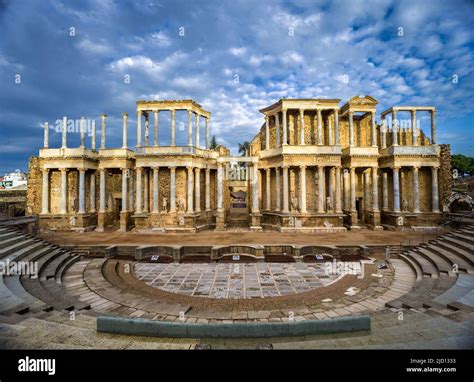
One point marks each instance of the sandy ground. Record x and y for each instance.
(367, 237)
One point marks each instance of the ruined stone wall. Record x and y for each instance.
(445, 178)
(33, 195)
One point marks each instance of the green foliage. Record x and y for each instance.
(244, 148)
(462, 163)
(213, 144)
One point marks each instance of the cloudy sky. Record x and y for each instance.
(73, 58)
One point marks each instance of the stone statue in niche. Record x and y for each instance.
(329, 203)
(180, 205)
(405, 204)
(294, 204)
(165, 205)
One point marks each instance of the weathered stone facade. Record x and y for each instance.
(313, 166)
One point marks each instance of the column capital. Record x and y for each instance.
(103, 115)
(125, 114)
(139, 113)
(81, 170)
(45, 170)
(156, 168)
(303, 167)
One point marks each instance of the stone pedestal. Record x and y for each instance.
(220, 221)
(376, 221)
(354, 222)
(100, 222)
(124, 221)
(255, 224)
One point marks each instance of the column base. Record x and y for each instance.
(124, 221)
(255, 224)
(100, 222)
(220, 221)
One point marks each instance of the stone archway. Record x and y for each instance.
(459, 202)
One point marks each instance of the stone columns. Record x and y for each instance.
(102, 191)
(64, 137)
(197, 131)
(353, 190)
(82, 128)
(331, 187)
(384, 190)
(277, 130)
(285, 190)
(320, 127)
(416, 191)
(302, 127)
(190, 206)
(207, 133)
(139, 128)
(329, 125)
(434, 186)
(394, 128)
(147, 129)
(255, 208)
(338, 190)
(124, 190)
(414, 128)
(375, 190)
(45, 192)
(267, 133)
(46, 135)
(433, 127)
(220, 187)
(63, 209)
(130, 191)
(173, 128)
(124, 130)
(277, 186)
(373, 130)
(102, 131)
(336, 126)
(93, 145)
(81, 193)
(351, 129)
(190, 128)
(208, 189)
(268, 203)
(367, 190)
(155, 129)
(92, 193)
(396, 189)
(321, 187)
(383, 133)
(138, 195)
(347, 191)
(303, 189)
(146, 190)
(156, 190)
(197, 189)
(285, 128)
(172, 189)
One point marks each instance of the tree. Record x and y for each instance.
(462, 163)
(213, 145)
(244, 148)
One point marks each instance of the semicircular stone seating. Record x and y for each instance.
(436, 277)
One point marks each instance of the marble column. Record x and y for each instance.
(172, 189)
(139, 128)
(124, 190)
(102, 131)
(46, 135)
(416, 190)
(285, 128)
(375, 190)
(138, 194)
(336, 127)
(82, 191)
(285, 190)
(414, 128)
(102, 190)
(173, 128)
(338, 190)
(384, 190)
(207, 132)
(383, 133)
(92, 193)
(329, 126)
(353, 189)
(190, 206)
(146, 190)
(396, 189)
(434, 186)
(268, 203)
(394, 128)
(208, 188)
(255, 208)
(433, 127)
(197, 189)
(351, 129)
(367, 190)
(321, 187)
(130, 191)
(93, 144)
(190, 128)
(197, 131)
(82, 130)
(220, 187)
(64, 136)
(303, 209)
(156, 190)
(347, 190)
(332, 180)
(373, 129)
(277, 130)
(267, 133)
(156, 141)
(147, 129)
(45, 192)
(277, 186)
(124, 130)
(302, 127)
(320, 127)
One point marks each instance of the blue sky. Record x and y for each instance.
(275, 49)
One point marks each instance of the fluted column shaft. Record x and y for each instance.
(303, 189)
(302, 127)
(384, 191)
(396, 189)
(124, 190)
(92, 192)
(197, 189)
(146, 190)
(190, 190)
(156, 189)
(320, 127)
(285, 128)
(172, 189)
(208, 189)
(353, 189)
(102, 131)
(220, 187)
(268, 203)
(277, 186)
(102, 191)
(285, 190)
(434, 186)
(124, 130)
(375, 190)
(351, 129)
(81, 196)
(416, 190)
(45, 192)
(138, 196)
(321, 187)
(338, 190)
(255, 189)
